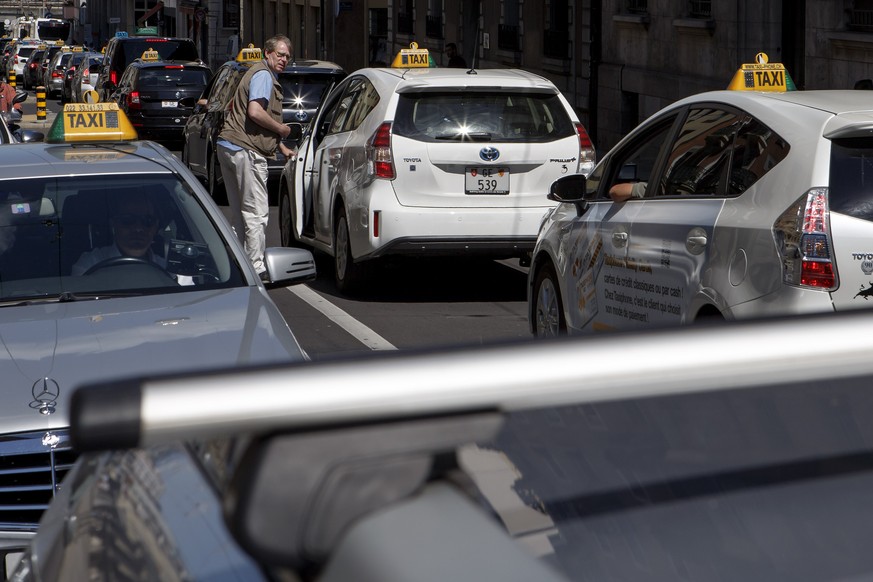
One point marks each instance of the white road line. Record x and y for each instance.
(358, 330)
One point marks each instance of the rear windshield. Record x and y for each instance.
(169, 50)
(436, 117)
(174, 77)
(851, 177)
(25, 52)
(305, 91)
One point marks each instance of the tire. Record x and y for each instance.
(548, 308)
(213, 183)
(349, 275)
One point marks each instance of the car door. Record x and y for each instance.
(195, 127)
(314, 171)
(671, 240)
(599, 272)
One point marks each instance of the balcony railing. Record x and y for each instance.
(434, 26)
(507, 37)
(404, 23)
(700, 9)
(861, 20)
(637, 6)
(556, 44)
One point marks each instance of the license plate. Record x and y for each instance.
(169, 103)
(486, 181)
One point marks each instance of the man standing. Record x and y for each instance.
(7, 95)
(252, 131)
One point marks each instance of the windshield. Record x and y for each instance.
(435, 117)
(305, 91)
(105, 235)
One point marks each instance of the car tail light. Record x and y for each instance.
(803, 237)
(113, 77)
(57, 74)
(133, 100)
(587, 155)
(85, 72)
(379, 159)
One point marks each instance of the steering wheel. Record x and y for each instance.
(117, 261)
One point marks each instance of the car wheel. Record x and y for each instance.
(548, 308)
(214, 183)
(349, 274)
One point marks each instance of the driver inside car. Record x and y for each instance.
(134, 223)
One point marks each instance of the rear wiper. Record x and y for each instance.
(478, 136)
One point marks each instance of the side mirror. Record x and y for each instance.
(570, 190)
(288, 266)
(296, 132)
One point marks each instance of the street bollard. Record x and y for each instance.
(40, 103)
(12, 78)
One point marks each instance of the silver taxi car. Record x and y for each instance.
(744, 203)
(424, 161)
(113, 260)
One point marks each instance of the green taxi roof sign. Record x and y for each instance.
(92, 123)
(413, 57)
(762, 75)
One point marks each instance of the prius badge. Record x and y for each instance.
(45, 395)
(489, 154)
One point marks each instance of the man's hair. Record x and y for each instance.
(270, 44)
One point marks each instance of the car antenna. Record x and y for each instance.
(472, 70)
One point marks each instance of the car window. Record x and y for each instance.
(305, 90)
(173, 77)
(498, 116)
(851, 177)
(757, 150)
(636, 161)
(52, 230)
(698, 161)
(344, 105)
(366, 101)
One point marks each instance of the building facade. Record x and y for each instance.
(617, 61)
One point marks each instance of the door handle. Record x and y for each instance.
(696, 241)
(619, 237)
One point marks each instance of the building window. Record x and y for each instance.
(637, 6)
(861, 15)
(556, 40)
(700, 9)
(434, 26)
(508, 29)
(405, 21)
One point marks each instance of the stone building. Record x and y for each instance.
(617, 61)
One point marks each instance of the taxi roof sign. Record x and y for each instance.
(762, 75)
(150, 55)
(92, 123)
(249, 54)
(413, 57)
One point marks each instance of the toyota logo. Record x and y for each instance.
(45, 395)
(489, 154)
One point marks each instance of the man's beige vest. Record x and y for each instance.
(238, 129)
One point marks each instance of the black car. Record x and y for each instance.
(158, 96)
(33, 70)
(121, 50)
(304, 86)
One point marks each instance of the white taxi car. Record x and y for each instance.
(416, 160)
(745, 203)
(113, 261)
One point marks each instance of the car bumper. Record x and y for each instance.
(497, 232)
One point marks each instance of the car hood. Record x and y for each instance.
(50, 349)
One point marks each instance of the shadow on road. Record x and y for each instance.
(453, 279)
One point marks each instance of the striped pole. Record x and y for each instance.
(40, 103)
(12, 78)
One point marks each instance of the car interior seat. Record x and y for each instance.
(84, 225)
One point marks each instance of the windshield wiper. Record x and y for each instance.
(65, 297)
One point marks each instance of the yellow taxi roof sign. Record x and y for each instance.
(413, 57)
(150, 55)
(250, 53)
(78, 49)
(762, 75)
(91, 122)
